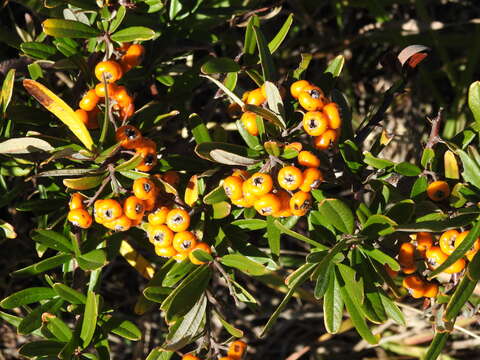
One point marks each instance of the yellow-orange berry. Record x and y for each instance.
(312, 178)
(315, 123)
(134, 208)
(232, 186)
(178, 220)
(76, 201)
(159, 216)
(297, 87)
(300, 203)
(308, 159)
(111, 69)
(184, 242)
(261, 184)
(333, 115)
(267, 204)
(290, 178)
(438, 190)
(80, 217)
(144, 188)
(160, 235)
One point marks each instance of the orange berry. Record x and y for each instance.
(415, 285)
(424, 242)
(122, 97)
(147, 149)
(430, 290)
(202, 246)
(256, 97)
(284, 198)
(297, 87)
(89, 101)
(80, 217)
(326, 140)
(107, 210)
(232, 186)
(290, 178)
(260, 184)
(76, 201)
(184, 242)
(178, 220)
(267, 204)
(249, 121)
(160, 235)
(333, 115)
(315, 123)
(435, 257)
(456, 267)
(150, 203)
(134, 208)
(159, 216)
(447, 241)
(312, 177)
(311, 98)
(406, 258)
(190, 357)
(122, 223)
(473, 250)
(128, 136)
(144, 188)
(243, 174)
(308, 159)
(300, 203)
(438, 190)
(111, 69)
(236, 350)
(82, 115)
(101, 90)
(168, 251)
(295, 146)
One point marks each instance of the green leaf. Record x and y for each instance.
(35, 349)
(59, 329)
(138, 33)
(123, 328)
(159, 354)
(352, 286)
(202, 255)
(35, 71)
(427, 157)
(221, 209)
(199, 130)
(473, 270)
(69, 294)
(232, 330)
(230, 80)
(68, 28)
(287, 231)
(419, 188)
(27, 296)
(250, 42)
(86, 182)
(38, 50)
(323, 281)
(458, 253)
(244, 264)
(7, 89)
(251, 141)
(332, 305)
(33, 320)
(53, 240)
(227, 91)
(250, 224)
(274, 100)
(336, 65)
(378, 225)
(303, 65)
(380, 256)
(44, 265)
(407, 169)
(89, 322)
(92, 260)
(156, 293)
(275, 43)
(266, 114)
(186, 328)
(186, 294)
(471, 170)
(24, 145)
(117, 20)
(436, 346)
(266, 60)
(402, 211)
(462, 293)
(474, 100)
(338, 214)
(219, 65)
(375, 162)
(273, 236)
(391, 309)
(215, 196)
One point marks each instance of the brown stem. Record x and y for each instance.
(227, 280)
(434, 137)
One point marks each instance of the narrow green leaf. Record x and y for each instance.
(92, 260)
(68, 28)
(36, 349)
(232, 330)
(159, 354)
(227, 91)
(436, 346)
(59, 329)
(27, 296)
(199, 130)
(471, 170)
(86, 182)
(123, 328)
(219, 65)
(380, 256)
(44, 265)
(474, 100)
(138, 33)
(302, 66)
(7, 89)
(250, 42)
(287, 231)
(117, 20)
(419, 188)
(266, 114)
(266, 60)
(38, 50)
(69, 294)
(53, 240)
(244, 264)
(275, 43)
(89, 322)
(273, 236)
(338, 214)
(157, 293)
(335, 66)
(462, 293)
(33, 320)
(250, 224)
(407, 169)
(215, 196)
(332, 305)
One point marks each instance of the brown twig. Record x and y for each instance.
(434, 137)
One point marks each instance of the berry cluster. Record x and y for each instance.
(293, 197)
(236, 351)
(257, 97)
(322, 119)
(424, 248)
(112, 71)
(130, 138)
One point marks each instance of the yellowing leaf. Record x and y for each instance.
(60, 109)
(451, 165)
(191, 192)
(136, 260)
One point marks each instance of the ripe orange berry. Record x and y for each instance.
(236, 350)
(297, 87)
(435, 257)
(144, 188)
(300, 203)
(249, 121)
(284, 198)
(243, 174)
(202, 246)
(312, 177)
(122, 223)
(127, 111)
(424, 242)
(290, 178)
(190, 357)
(308, 159)
(260, 184)
(107, 210)
(456, 267)
(128, 136)
(473, 250)
(430, 290)
(171, 177)
(415, 286)
(326, 140)
(406, 258)
(101, 90)
(168, 251)
(80, 217)
(184, 242)
(82, 115)
(150, 204)
(133, 56)
(311, 98)
(232, 186)
(447, 241)
(295, 146)
(333, 115)
(111, 69)
(160, 235)
(147, 149)
(122, 97)
(267, 204)
(159, 216)
(256, 97)
(178, 220)
(89, 101)
(134, 208)
(315, 123)
(438, 190)
(76, 201)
